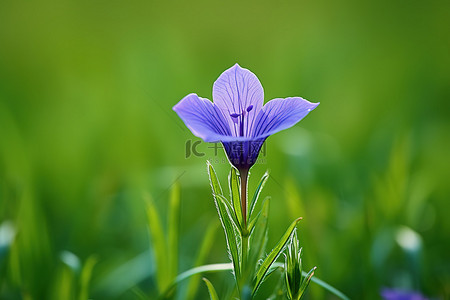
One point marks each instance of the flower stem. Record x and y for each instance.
(244, 234)
(244, 179)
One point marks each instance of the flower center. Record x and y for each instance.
(239, 119)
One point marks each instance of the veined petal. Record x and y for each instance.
(238, 91)
(279, 114)
(203, 118)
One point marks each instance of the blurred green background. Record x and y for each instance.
(87, 128)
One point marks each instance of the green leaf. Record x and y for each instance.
(193, 272)
(85, 278)
(261, 184)
(205, 247)
(270, 259)
(212, 291)
(173, 226)
(226, 220)
(230, 214)
(159, 245)
(233, 181)
(305, 282)
(215, 185)
(231, 235)
(203, 269)
(293, 266)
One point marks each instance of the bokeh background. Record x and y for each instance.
(87, 129)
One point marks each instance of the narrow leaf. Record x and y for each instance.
(306, 281)
(225, 219)
(215, 185)
(261, 184)
(230, 213)
(85, 278)
(233, 181)
(173, 227)
(158, 244)
(270, 259)
(230, 233)
(212, 291)
(203, 269)
(195, 271)
(288, 286)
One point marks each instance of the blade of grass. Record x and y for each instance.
(158, 244)
(196, 271)
(264, 267)
(211, 290)
(173, 227)
(64, 284)
(85, 278)
(306, 281)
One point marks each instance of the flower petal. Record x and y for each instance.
(238, 90)
(203, 118)
(279, 114)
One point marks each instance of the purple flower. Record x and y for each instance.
(238, 118)
(395, 294)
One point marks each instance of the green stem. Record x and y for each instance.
(244, 178)
(244, 233)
